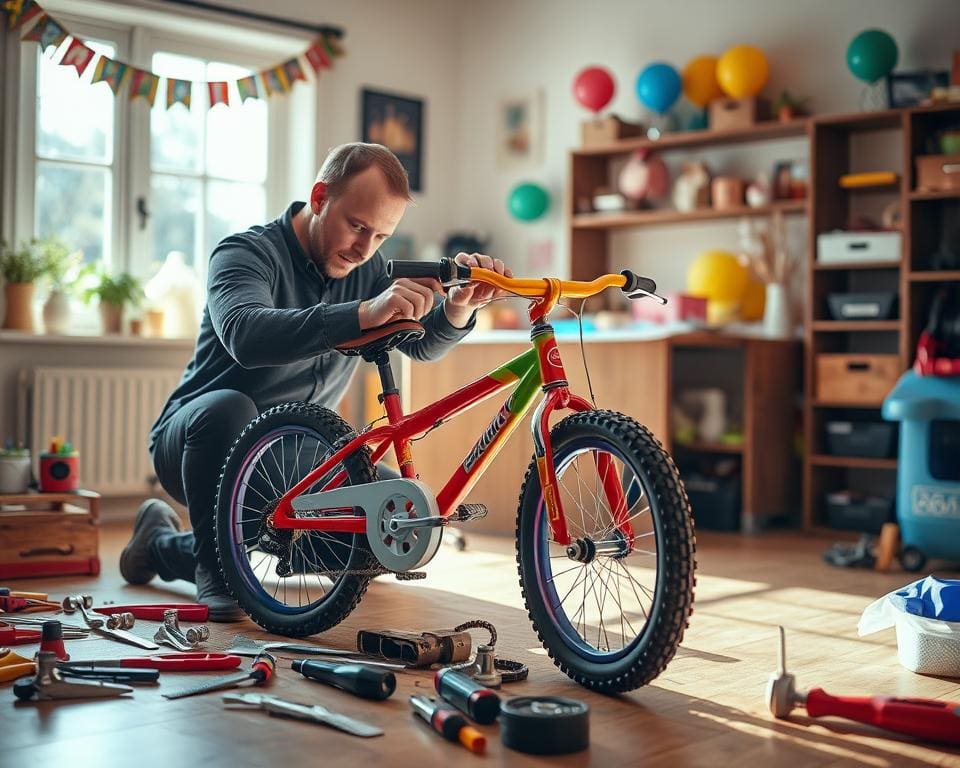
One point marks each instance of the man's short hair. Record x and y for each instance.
(347, 160)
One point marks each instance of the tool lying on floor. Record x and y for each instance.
(246, 646)
(70, 631)
(314, 713)
(25, 602)
(50, 683)
(351, 677)
(922, 718)
(168, 662)
(7, 592)
(102, 626)
(545, 725)
(156, 611)
(110, 674)
(467, 695)
(14, 666)
(449, 723)
(170, 633)
(261, 673)
(10, 635)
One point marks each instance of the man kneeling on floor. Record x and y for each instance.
(280, 297)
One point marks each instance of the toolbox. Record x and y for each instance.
(49, 534)
(856, 379)
(866, 439)
(862, 306)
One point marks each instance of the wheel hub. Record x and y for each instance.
(276, 541)
(586, 549)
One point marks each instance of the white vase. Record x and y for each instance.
(776, 311)
(56, 313)
(15, 474)
(713, 421)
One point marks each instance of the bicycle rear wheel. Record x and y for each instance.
(610, 609)
(293, 583)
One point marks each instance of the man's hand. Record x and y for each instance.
(405, 299)
(463, 300)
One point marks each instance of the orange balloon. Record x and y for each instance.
(700, 80)
(742, 71)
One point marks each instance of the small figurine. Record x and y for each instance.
(759, 192)
(691, 190)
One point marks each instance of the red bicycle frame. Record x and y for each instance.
(539, 368)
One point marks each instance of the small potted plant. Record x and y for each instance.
(20, 267)
(62, 268)
(114, 292)
(786, 107)
(15, 469)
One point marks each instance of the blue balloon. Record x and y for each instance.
(658, 86)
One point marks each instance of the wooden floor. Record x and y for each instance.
(706, 709)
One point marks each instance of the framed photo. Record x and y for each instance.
(520, 131)
(396, 122)
(789, 180)
(910, 89)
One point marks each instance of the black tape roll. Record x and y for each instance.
(545, 725)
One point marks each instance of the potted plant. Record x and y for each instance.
(61, 268)
(15, 469)
(20, 267)
(114, 292)
(786, 107)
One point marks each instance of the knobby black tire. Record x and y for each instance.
(676, 554)
(347, 590)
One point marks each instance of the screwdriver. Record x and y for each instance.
(261, 672)
(449, 723)
(354, 678)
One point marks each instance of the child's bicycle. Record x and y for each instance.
(605, 542)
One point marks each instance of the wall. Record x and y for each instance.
(513, 46)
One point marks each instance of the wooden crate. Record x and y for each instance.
(938, 173)
(606, 130)
(49, 534)
(736, 114)
(856, 379)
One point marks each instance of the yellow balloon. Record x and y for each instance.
(717, 276)
(700, 80)
(742, 71)
(754, 299)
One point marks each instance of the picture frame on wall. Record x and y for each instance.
(396, 121)
(519, 133)
(910, 89)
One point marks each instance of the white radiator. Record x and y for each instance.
(106, 413)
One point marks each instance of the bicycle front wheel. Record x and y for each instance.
(610, 608)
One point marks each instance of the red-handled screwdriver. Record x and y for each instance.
(928, 719)
(449, 723)
(260, 673)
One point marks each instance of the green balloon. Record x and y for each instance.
(871, 55)
(528, 202)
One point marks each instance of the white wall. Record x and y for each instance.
(512, 46)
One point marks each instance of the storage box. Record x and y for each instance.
(854, 247)
(862, 306)
(715, 501)
(733, 114)
(866, 439)
(937, 173)
(606, 130)
(856, 379)
(928, 646)
(49, 534)
(853, 511)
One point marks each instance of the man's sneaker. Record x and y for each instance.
(154, 517)
(214, 593)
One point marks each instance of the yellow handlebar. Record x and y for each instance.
(541, 287)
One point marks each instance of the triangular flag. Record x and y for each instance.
(275, 80)
(144, 84)
(77, 55)
(317, 57)
(247, 86)
(293, 70)
(19, 12)
(218, 94)
(178, 92)
(332, 44)
(110, 72)
(47, 32)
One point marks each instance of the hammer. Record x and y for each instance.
(928, 719)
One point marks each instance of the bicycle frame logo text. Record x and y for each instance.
(489, 434)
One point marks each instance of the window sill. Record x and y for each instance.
(118, 340)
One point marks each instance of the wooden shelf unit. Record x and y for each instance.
(650, 217)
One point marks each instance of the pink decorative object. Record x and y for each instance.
(644, 177)
(680, 307)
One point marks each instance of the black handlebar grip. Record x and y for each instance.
(637, 283)
(397, 269)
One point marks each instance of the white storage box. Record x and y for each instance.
(857, 247)
(928, 646)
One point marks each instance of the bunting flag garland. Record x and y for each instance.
(77, 55)
(110, 72)
(20, 12)
(178, 92)
(47, 32)
(278, 79)
(218, 94)
(144, 84)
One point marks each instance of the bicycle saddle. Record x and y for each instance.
(375, 341)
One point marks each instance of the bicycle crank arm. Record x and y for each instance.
(396, 525)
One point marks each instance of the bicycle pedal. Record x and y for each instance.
(410, 575)
(467, 512)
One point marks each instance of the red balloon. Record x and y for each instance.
(594, 87)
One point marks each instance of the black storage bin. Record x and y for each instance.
(715, 501)
(945, 450)
(853, 511)
(862, 306)
(865, 439)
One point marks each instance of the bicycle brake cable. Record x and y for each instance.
(511, 671)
